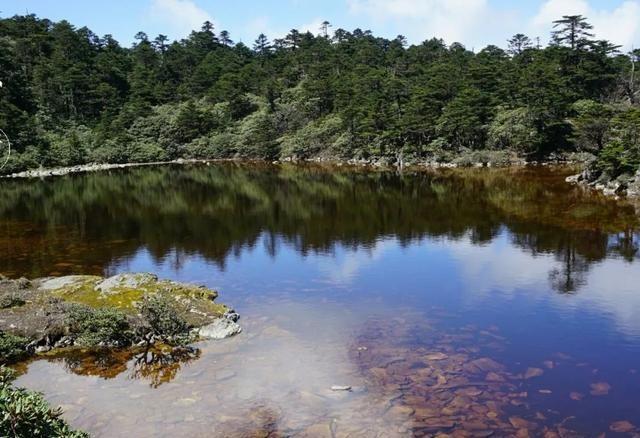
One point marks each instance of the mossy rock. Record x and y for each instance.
(125, 292)
(40, 310)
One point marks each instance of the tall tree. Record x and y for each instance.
(572, 31)
(518, 44)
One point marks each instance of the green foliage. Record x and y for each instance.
(591, 124)
(72, 97)
(621, 155)
(515, 130)
(8, 301)
(313, 139)
(12, 348)
(26, 413)
(70, 147)
(162, 317)
(462, 122)
(99, 327)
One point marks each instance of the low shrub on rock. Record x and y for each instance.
(162, 317)
(99, 327)
(26, 413)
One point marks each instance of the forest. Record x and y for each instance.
(72, 97)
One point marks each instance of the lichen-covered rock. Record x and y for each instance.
(41, 310)
(125, 292)
(220, 329)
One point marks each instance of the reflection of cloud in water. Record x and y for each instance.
(610, 286)
(498, 266)
(342, 267)
(277, 375)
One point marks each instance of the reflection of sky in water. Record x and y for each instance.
(302, 314)
(498, 278)
(533, 262)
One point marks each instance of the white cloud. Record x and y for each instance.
(264, 25)
(313, 26)
(620, 25)
(477, 23)
(453, 20)
(180, 16)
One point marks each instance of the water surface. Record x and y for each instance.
(468, 302)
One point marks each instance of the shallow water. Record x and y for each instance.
(471, 302)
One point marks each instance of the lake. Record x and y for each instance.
(479, 302)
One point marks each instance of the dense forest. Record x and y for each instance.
(73, 97)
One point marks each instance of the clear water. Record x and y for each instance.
(469, 303)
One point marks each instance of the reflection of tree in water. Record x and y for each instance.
(83, 223)
(160, 367)
(157, 364)
(572, 270)
(625, 244)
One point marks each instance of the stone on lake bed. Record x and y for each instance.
(577, 396)
(622, 427)
(533, 372)
(600, 388)
(494, 377)
(341, 388)
(436, 356)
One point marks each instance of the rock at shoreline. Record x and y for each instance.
(76, 310)
(220, 329)
(624, 185)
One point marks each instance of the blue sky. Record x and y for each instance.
(475, 23)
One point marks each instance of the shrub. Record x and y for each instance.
(313, 138)
(12, 348)
(591, 124)
(217, 145)
(26, 413)
(621, 154)
(162, 317)
(8, 301)
(69, 147)
(514, 129)
(99, 327)
(110, 151)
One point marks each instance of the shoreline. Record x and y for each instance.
(613, 189)
(376, 163)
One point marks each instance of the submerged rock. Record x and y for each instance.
(340, 388)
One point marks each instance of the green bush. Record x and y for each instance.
(26, 413)
(69, 147)
(591, 124)
(8, 301)
(514, 129)
(217, 145)
(12, 348)
(621, 154)
(162, 316)
(111, 151)
(99, 327)
(312, 139)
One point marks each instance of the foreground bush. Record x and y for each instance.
(26, 413)
(12, 348)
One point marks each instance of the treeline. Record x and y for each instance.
(72, 97)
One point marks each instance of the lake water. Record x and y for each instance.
(461, 302)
